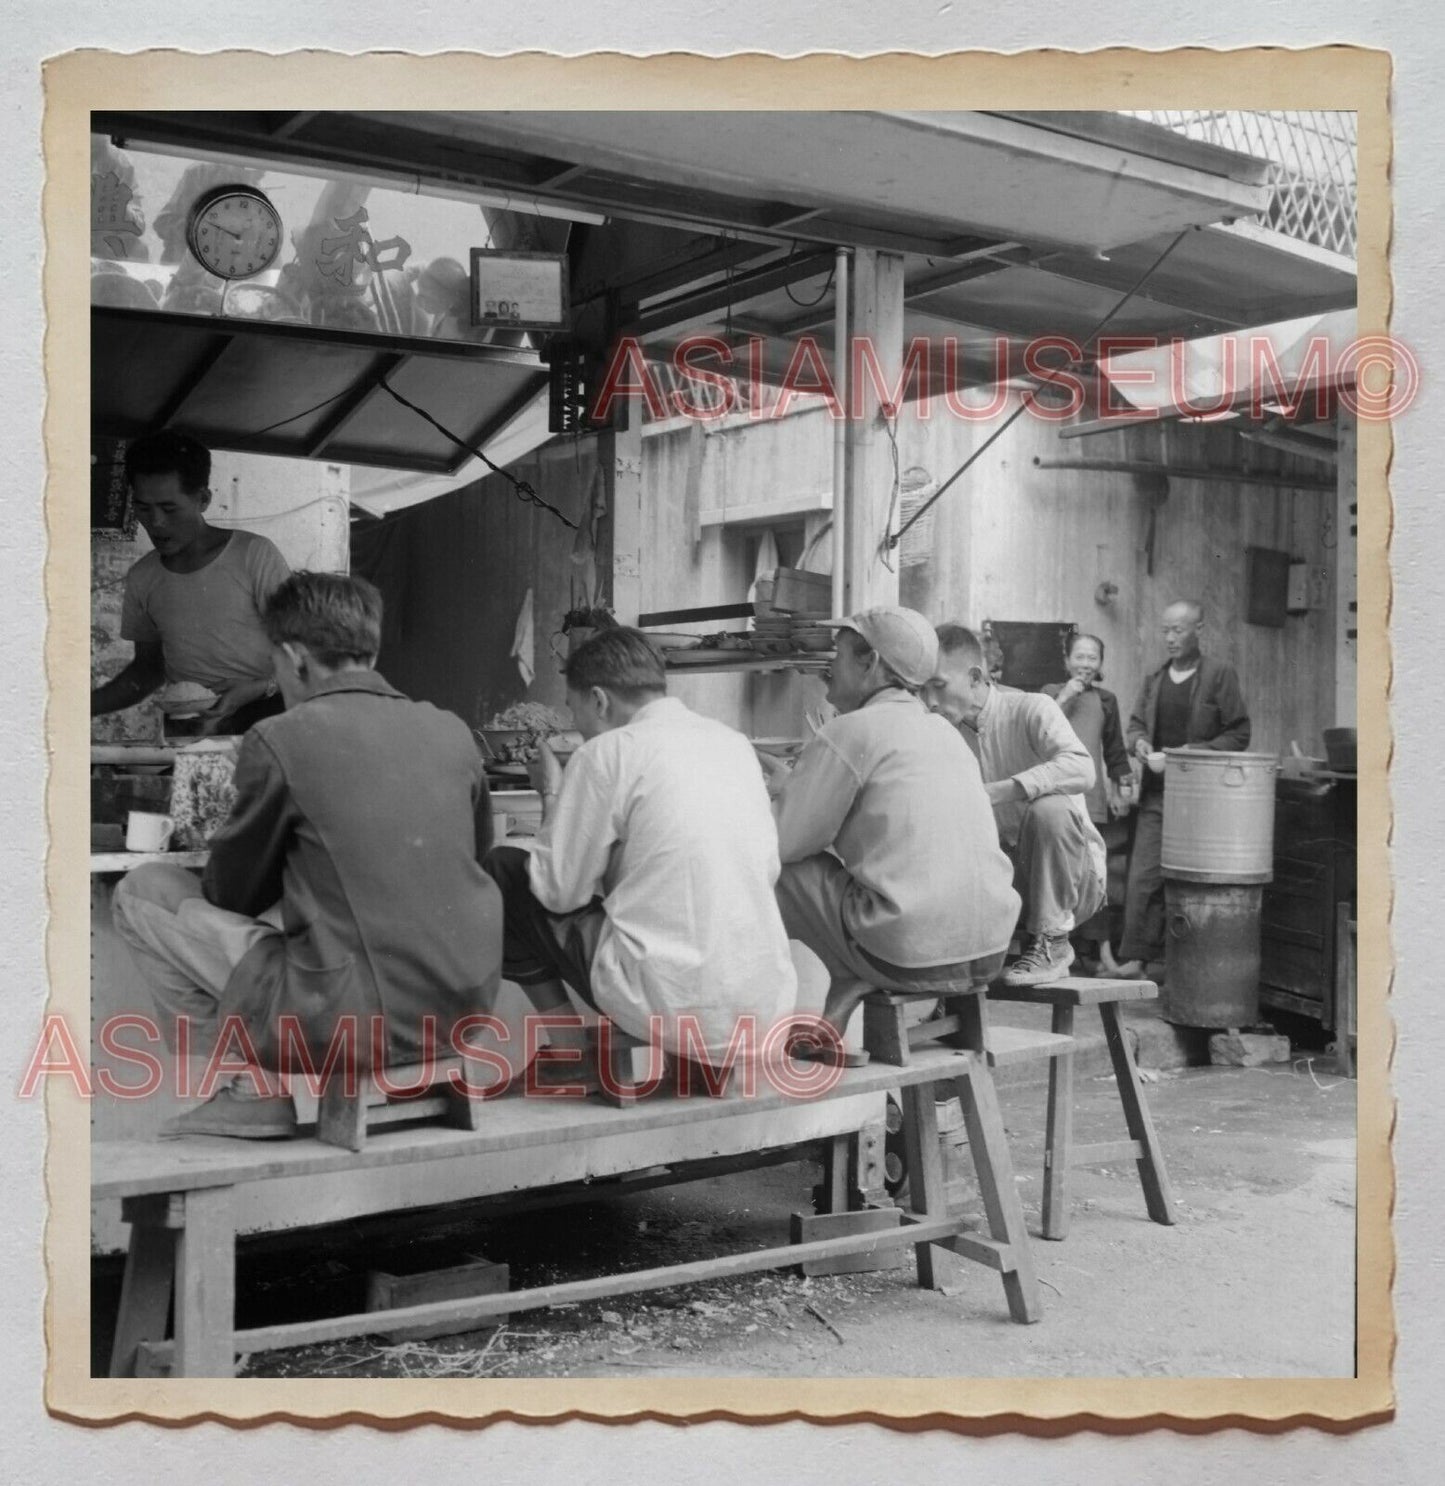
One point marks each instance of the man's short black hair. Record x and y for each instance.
(167, 453)
(618, 660)
(335, 616)
(957, 640)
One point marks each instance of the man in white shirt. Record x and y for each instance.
(1037, 773)
(892, 871)
(648, 894)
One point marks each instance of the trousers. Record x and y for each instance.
(1056, 868)
(1144, 897)
(185, 947)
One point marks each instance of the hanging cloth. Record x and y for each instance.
(524, 641)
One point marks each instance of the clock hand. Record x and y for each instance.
(237, 235)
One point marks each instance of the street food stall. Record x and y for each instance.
(444, 295)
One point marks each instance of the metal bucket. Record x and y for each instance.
(1211, 955)
(1218, 816)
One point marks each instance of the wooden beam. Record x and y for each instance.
(704, 304)
(1182, 472)
(575, 1292)
(352, 404)
(199, 370)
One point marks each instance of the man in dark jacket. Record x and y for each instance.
(366, 815)
(1189, 702)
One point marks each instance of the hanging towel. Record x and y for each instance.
(524, 642)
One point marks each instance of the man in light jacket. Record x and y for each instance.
(1037, 773)
(892, 872)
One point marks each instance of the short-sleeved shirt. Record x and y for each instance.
(208, 623)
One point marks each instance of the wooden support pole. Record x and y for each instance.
(876, 293)
(620, 562)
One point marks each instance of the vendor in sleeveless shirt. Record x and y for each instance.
(193, 606)
(1191, 701)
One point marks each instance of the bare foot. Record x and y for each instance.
(1130, 970)
(842, 1002)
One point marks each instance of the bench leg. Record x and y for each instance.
(206, 1287)
(988, 1145)
(1158, 1196)
(837, 1164)
(145, 1294)
(925, 1168)
(1059, 1136)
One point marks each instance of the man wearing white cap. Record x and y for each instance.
(892, 871)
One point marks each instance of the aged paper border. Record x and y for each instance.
(1326, 77)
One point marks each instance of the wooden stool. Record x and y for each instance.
(421, 1091)
(888, 1037)
(1060, 1153)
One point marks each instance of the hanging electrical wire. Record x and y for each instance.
(304, 413)
(1030, 397)
(526, 493)
(810, 304)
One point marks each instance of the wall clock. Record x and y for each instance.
(234, 231)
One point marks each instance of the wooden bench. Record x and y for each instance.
(182, 1199)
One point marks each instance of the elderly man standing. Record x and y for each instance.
(892, 872)
(1189, 702)
(1037, 773)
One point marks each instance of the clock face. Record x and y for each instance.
(234, 231)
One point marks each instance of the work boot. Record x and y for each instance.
(1046, 957)
(228, 1113)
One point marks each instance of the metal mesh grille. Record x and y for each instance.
(1313, 155)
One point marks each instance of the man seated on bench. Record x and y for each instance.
(1037, 773)
(892, 870)
(647, 896)
(365, 815)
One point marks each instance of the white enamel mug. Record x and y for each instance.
(147, 832)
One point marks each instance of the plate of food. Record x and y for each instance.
(515, 734)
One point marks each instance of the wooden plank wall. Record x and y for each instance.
(1011, 541)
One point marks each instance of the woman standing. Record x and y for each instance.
(1093, 712)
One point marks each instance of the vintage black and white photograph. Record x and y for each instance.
(724, 745)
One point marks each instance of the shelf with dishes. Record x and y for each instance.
(780, 643)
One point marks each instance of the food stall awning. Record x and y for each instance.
(1010, 226)
(300, 391)
(1262, 367)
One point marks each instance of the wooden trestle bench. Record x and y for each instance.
(183, 1198)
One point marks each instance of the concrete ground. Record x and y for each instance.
(1256, 1280)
